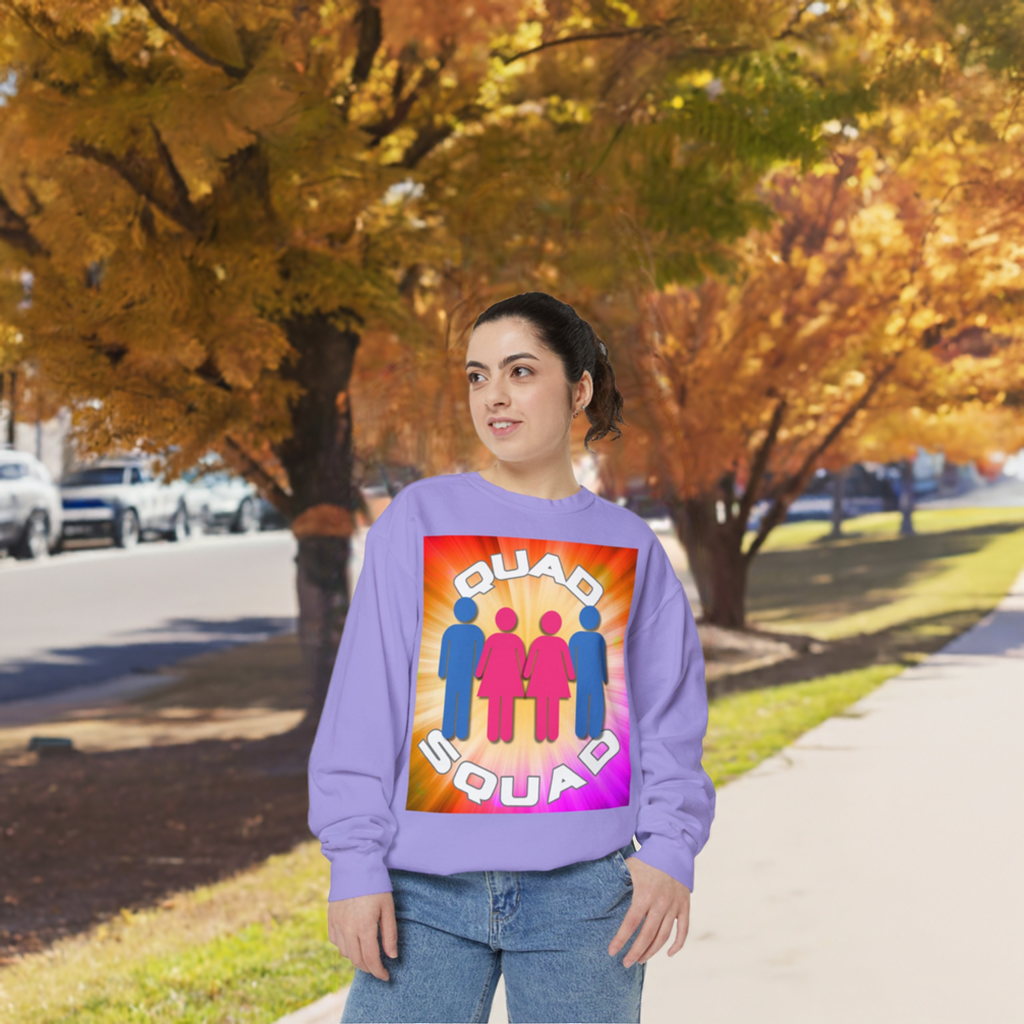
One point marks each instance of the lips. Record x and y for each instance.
(503, 431)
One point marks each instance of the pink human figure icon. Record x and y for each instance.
(501, 670)
(549, 668)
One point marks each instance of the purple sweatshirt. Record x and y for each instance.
(519, 686)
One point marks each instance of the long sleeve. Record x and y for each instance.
(353, 759)
(666, 666)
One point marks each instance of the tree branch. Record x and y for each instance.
(626, 33)
(796, 482)
(134, 178)
(184, 202)
(14, 230)
(760, 464)
(584, 37)
(197, 51)
(276, 494)
(431, 136)
(404, 105)
(370, 36)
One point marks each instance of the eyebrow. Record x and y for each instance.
(504, 362)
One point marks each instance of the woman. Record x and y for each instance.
(549, 669)
(500, 671)
(477, 859)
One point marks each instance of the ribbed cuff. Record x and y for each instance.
(357, 876)
(671, 856)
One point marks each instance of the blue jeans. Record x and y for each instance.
(547, 931)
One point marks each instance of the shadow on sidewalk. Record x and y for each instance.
(1000, 635)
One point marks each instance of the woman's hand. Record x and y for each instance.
(662, 900)
(352, 927)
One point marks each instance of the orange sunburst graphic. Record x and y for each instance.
(521, 754)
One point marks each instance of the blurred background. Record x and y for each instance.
(241, 249)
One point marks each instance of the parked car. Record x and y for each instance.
(122, 499)
(219, 499)
(31, 515)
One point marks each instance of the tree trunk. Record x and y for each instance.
(715, 552)
(907, 498)
(318, 459)
(12, 405)
(838, 487)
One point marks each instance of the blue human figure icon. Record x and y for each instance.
(461, 647)
(590, 660)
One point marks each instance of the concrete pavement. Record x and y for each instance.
(871, 869)
(84, 618)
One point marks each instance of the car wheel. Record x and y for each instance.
(35, 543)
(126, 529)
(247, 519)
(179, 525)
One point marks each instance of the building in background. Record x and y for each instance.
(49, 440)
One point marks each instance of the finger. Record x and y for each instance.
(660, 939)
(336, 938)
(630, 923)
(389, 929)
(682, 928)
(369, 949)
(643, 940)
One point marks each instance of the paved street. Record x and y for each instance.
(869, 871)
(86, 617)
(1005, 493)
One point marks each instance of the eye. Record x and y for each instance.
(470, 376)
(526, 368)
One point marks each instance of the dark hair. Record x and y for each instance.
(574, 341)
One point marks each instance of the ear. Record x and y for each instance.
(586, 385)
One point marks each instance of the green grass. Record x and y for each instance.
(745, 728)
(957, 567)
(249, 949)
(254, 948)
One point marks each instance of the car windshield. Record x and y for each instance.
(13, 470)
(215, 479)
(97, 476)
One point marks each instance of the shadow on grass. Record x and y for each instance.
(87, 835)
(828, 581)
(268, 675)
(907, 643)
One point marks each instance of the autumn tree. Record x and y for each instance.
(220, 202)
(877, 262)
(574, 205)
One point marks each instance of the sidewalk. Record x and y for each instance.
(871, 869)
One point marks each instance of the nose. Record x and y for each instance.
(495, 395)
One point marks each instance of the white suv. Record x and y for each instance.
(30, 506)
(120, 498)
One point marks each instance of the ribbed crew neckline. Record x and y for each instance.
(528, 502)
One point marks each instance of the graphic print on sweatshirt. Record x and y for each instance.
(521, 703)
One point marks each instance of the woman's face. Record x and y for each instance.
(518, 393)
